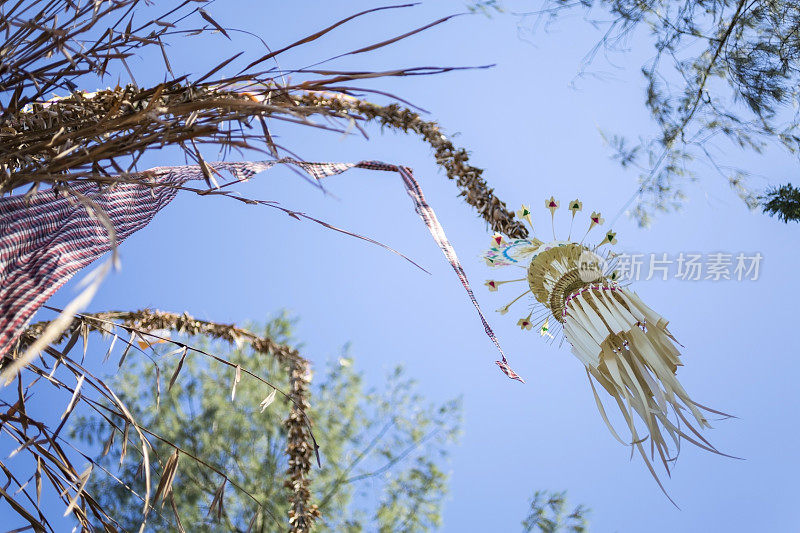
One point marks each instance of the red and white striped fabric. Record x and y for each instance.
(47, 237)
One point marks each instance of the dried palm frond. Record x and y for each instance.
(56, 142)
(143, 329)
(97, 134)
(455, 161)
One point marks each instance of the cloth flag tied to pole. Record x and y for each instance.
(48, 236)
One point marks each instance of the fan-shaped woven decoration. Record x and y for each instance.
(624, 345)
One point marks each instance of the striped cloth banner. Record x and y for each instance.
(47, 237)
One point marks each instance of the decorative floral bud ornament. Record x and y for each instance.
(525, 323)
(624, 345)
(525, 214)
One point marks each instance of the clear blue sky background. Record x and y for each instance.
(536, 135)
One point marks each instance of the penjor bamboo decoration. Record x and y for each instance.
(624, 345)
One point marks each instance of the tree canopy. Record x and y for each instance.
(384, 450)
(723, 74)
(549, 513)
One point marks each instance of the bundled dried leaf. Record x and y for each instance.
(300, 449)
(474, 189)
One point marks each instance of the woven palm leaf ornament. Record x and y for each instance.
(623, 344)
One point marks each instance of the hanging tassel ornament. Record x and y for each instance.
(624, 345)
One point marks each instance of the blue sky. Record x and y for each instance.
(537, 135)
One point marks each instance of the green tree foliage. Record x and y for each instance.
(724, 73)
(783, 201)
(383, 450)
(548, 514)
